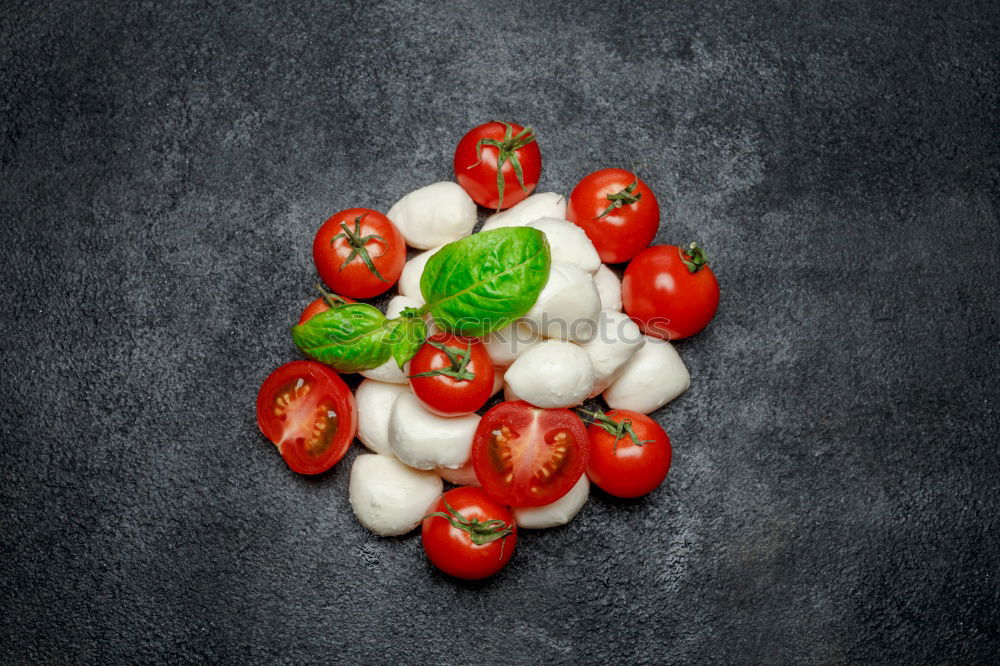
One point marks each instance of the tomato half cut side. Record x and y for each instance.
(309, 413)
(527, 456)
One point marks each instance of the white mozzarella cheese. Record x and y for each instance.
(389, 372)
(568, 306)
(425, 440)
(559, 512)
(375, 400)
(409, 279)
(539, 205)
(654, 376)
(434, 215)
(463, 476)
(497, 379)
(553, 373)
(511, 341)
(399, 303)
(568, 243)
(388, 497)
(609, 288)
(618, 339)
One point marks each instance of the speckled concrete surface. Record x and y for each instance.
(834, 494)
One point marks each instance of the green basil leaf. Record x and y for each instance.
(408, 334)
(483, 282)
(348, 338)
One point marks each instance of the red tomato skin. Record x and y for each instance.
(317, 306)
(625, 231)
(445, 395)
(480, 181)
(452, 551)
(664, 298)
(355, 279)
(327, 383)
(630, 470)
(520, 418)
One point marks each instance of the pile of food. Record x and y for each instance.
(527, 306)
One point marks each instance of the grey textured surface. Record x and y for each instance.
(834, 494)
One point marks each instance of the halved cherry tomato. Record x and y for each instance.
(498, 164)
(322, 304)
(308, 412)
(526, 456)
(618, 212)
(469, 535)
(359, 252)
(452, 375)
(670, 292)
(629, 453)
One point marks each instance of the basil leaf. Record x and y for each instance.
(348, 338)
(483, 282)
(408, 334)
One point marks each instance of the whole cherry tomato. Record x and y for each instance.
(618, 212)
(322, 304)
(670, 292)
(629, 453)
(469, 535)
(359, 252)
(498, 164)
(452, 375)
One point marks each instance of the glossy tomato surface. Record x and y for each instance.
(662, 294)
(452, 375)
(528, 456)
(308, 412)
(618, 212)
(452, 549)
(321, 304)
(476, 168)
(623, 467)
(359, 253)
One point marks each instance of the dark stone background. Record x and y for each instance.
(834, 495)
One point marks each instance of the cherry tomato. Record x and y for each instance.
(322, 304)
(498, 164)
(359, 252)
(526, 456)
(618, 212)
(670, 292)
(629, 453)
(452, 375)
(469, 535)
(307, 411)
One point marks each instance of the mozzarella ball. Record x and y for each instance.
(375, 400)
(463, 476)
(425, 440)
(389, 372)
(511, 341)
(508, 393)
(539, 205)
(409, 279)
(398, 303)
(553, 373)
(568, 306)
(434, 215)
(568, 243)
(388, 497)
(497, 379)
(618, 339)
(609, 288)
(653, 377)
(559, 512)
